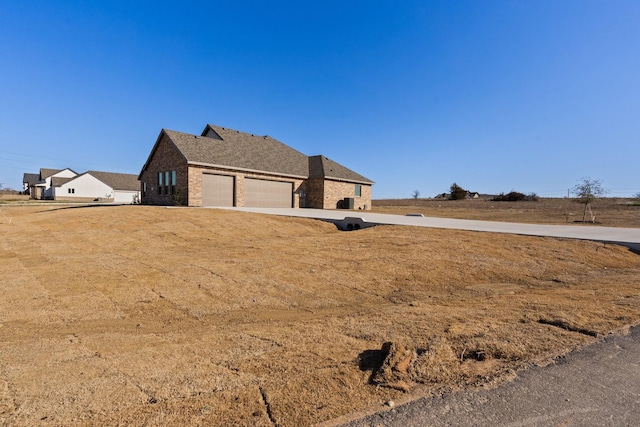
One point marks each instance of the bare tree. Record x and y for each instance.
(415, 194)
(587, 190)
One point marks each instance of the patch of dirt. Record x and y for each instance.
(143, 315)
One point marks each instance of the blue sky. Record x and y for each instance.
(493, 95)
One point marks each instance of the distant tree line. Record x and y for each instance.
(586, 191)
(515, 196)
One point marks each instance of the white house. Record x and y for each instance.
(89, 186)
(47, 176)
(84, 186)
(98, 186)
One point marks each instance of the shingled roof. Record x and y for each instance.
(57, 181)
(323, 167)
(118, 181)
(231, 149)
(31, 178)
(46, 173)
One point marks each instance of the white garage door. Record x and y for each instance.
(260, 193)
(217, 190)
(120, 196)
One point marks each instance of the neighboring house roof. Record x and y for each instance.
(323, 167)
(229, 148)
(58, 181)
(118, 181)
(31, 179)
(46, 173)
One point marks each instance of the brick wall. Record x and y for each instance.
(166, 158)
(334, 191)
(195, 184)
(314, 189)
(319, 193)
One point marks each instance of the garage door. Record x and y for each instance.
(217, 190)
(260, 193)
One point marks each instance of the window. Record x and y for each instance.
(358, 190)
(144, 189)
(166, 183)
(71, 190)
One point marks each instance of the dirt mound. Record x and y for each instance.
(394, 372)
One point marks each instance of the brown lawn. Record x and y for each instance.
(609, 212)
(140, 315)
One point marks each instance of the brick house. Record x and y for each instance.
(226, 167)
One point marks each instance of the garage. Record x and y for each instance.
(217, 190)
(261, 193)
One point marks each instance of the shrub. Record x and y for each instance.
(515, 196)
(457, 192)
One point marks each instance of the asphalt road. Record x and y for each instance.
(629, 237)
(596, 386)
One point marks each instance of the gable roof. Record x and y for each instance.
(46, 173)
(323, 167)
(30, 178)
(118, 181)
(231, 149)
(57, 181)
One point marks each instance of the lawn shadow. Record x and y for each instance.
(372, 360)
(93, 205)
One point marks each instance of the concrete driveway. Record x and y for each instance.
(629, 237)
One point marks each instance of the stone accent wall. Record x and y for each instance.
(334, 191)
(194, 198)
(165, 158)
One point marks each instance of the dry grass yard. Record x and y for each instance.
(609, 212)
(139, 315)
